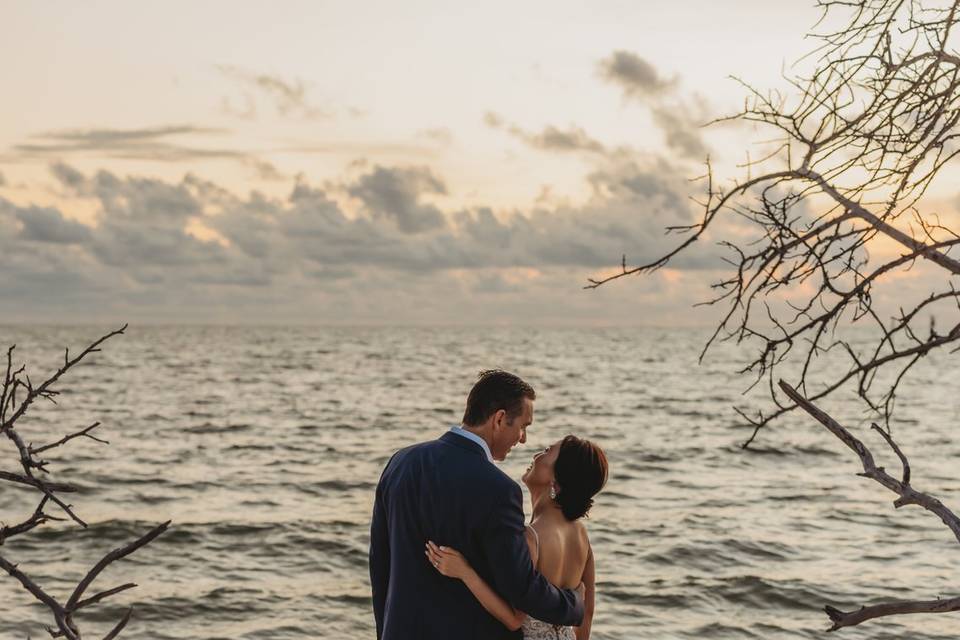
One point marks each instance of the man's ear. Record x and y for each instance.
(499, 419)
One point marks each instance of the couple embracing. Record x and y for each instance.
(450, 555)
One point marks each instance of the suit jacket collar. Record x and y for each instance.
(464, 443)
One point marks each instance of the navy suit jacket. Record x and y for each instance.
(447, 491)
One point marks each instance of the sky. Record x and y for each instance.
(369, 163)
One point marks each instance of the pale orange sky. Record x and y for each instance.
(362, 162)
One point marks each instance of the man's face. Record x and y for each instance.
(507, 433)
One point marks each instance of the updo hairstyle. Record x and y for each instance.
(581, 472)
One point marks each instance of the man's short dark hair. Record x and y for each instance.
(496, 389)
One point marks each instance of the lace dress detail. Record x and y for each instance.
(534, 629)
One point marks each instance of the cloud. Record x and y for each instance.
(289, 97)
(677, 117)
(634, 75)
(100, 138)
(492, 119)
(265, 170)
(681, 130)
(572, 139)
(151, 143)
(551, 138)
(67, 175)
(631, 206)
(154, 144)
(554, 139)
(163, 144)
(278, 258)
(394, 194)
(440, 135)
(142, 223)
(43, 224)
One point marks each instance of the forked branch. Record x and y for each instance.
(17, 393)
(906, 495)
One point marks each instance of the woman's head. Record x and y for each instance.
(575, 468)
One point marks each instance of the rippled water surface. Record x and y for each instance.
(263, 445)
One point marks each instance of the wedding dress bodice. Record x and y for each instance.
(539, 630)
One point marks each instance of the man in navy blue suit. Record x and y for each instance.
(449, 491)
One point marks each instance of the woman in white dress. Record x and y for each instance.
(563, 478)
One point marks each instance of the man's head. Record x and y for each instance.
(499, 409)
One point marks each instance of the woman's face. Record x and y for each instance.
(540, 471)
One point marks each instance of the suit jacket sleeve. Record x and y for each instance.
(513, 574)
(379, 558)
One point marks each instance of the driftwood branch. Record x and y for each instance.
(842, 619)
(906, 495)
(17, 393)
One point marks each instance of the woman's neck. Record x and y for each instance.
(541, 502)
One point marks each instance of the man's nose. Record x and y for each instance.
(523, 436)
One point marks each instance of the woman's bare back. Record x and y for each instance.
(559, 549)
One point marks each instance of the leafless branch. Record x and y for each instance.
(842, 619)
(103, 594)
(12, 411)
(871, 121)
(852, 153)
(68, 438)
(906, 495)
(113, 556)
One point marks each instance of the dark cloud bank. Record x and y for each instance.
(302, 257)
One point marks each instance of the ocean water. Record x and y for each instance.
(264, 445)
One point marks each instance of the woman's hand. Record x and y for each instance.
(447, 561)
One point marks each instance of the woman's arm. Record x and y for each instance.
(452, 564)
(589, 581)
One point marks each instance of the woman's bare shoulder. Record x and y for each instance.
(580, 530)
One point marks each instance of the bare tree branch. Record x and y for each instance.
(62, 487)
(11, 412)
(45, 390)
(842, 619)
(120, 625)
(871, 121)
(103, 594)
(906, 495)
(852, 155)
(113, 556)
(68, 438)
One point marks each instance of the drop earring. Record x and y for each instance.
(553, 492)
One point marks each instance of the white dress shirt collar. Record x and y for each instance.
(469, 435)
